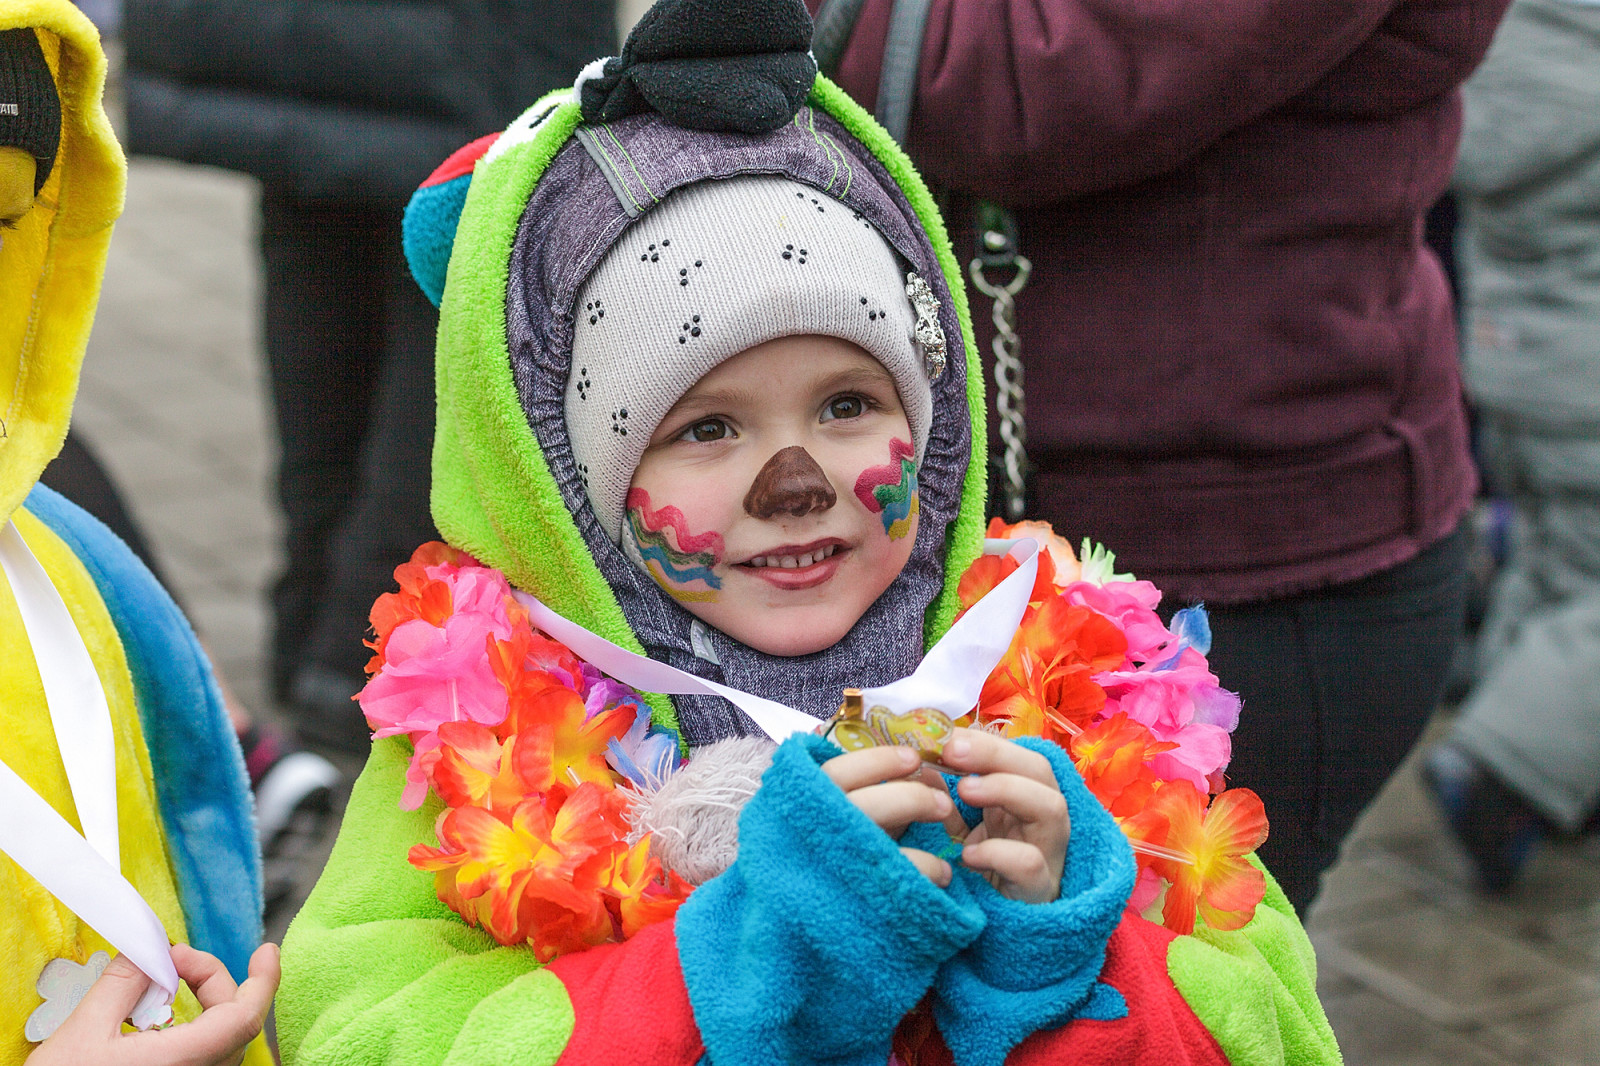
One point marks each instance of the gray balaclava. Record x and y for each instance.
(599, 194)
(643, 340)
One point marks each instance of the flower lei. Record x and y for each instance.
(535, 753)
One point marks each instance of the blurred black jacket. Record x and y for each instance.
(344, 99)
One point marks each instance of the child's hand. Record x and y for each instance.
(232, 1016)
(1021, 844)
(888, 786)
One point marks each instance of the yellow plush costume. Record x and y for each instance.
(50, 271)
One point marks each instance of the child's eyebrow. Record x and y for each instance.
(859, 377)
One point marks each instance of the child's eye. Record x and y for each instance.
(708, 429)
(844, 407)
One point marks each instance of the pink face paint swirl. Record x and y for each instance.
(890, 490)
(683, 562)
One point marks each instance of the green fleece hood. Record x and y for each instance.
(494, 493)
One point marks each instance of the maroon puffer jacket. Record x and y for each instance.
(1241, 358)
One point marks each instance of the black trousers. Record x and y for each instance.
(349, 342)
(1337, 684)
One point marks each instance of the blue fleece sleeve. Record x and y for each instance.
(1036, 966)
(821, 936)
(201, 785)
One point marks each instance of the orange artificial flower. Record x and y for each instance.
(1207, 847)
(474, 768)
(987, 571)
(535, 876)
(525, 658)
(1064, 562)
(555, 744)
(420, 596)
(644, 894)
(1114, 758)
(1044, 686)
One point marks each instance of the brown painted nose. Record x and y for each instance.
(791, 483)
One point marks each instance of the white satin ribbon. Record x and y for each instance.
(83, 871)
(950, 676)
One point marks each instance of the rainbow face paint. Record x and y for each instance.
(681, 562)
(891, 490)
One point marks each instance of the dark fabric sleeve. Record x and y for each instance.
(1038, 100)
(342, 99)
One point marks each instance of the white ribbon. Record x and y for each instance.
(83, 872)
(950, 677)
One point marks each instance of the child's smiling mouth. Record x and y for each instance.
(798, 566)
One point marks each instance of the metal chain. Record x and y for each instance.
(1007, 346)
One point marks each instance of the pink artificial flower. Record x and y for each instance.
(1132, 606)
(1145, 889)
(1202, 751)
(1181, 702)
(477, 590)
(432, 675)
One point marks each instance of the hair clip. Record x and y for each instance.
(930, 335)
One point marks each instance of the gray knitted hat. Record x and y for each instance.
(717, 268)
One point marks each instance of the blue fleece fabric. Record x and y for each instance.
(200, 779)
(428, 232)
(1036, 966)
(821, 936)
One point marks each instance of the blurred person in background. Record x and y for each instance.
(1241, 364)
(1524, 757)
(341, 110)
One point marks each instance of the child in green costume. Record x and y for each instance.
(708, 391)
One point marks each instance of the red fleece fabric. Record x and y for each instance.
(1159, 1030)
(630, 1005)
(461, 161)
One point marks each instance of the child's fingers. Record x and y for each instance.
(108, 1001)
(1023, 870)
(954, 824)
(266, 970)
(205, 975)
(973, 751)
(869, 766)
(896, 804)
(1040, 807)
(929, 865)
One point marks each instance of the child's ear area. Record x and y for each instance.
(18, 169)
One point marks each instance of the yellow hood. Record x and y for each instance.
(52, 263)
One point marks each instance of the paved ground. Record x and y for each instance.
(1415, 969)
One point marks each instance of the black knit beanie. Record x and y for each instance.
(30, 110)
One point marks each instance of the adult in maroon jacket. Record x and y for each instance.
(1240, 356)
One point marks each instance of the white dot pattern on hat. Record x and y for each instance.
(717, 268)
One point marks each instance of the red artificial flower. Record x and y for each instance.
(644, 894)
(475, 768)
(1113, 755)
(1201, 852)
(527, 659)
(535, 876)
(987, 571)
(1045, 684)
(556, 744)
(420, 596)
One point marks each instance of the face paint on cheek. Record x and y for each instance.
(890, 490)
(681, 562)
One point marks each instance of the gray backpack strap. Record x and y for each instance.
(902, 54)
(831, 32)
